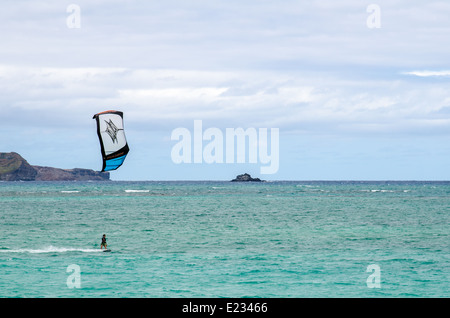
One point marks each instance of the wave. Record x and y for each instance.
(70, 191)
(136, 191)
(382, 190)
(51, 249)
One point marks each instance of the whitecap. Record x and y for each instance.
(137, 191)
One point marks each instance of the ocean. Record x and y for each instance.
(292, 239)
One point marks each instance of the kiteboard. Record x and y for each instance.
(106, 250)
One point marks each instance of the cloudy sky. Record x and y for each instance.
(356, 93)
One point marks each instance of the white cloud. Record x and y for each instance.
(177, 95)
(429, 73)
(157, 98)
(219, 35)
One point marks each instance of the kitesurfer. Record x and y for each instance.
(103, 242)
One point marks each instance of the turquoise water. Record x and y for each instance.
(223, 239)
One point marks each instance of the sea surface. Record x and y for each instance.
(224, 239)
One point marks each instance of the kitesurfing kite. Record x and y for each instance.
(112, 139)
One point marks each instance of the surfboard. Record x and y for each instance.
(106, 250)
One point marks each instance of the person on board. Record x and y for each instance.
(103, 242)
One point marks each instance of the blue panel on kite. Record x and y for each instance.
(113, 164)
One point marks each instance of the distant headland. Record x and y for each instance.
(13, 167)
(246, 178)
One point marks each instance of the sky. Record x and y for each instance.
(358, 90)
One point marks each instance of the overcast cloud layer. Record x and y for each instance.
(313, 69)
